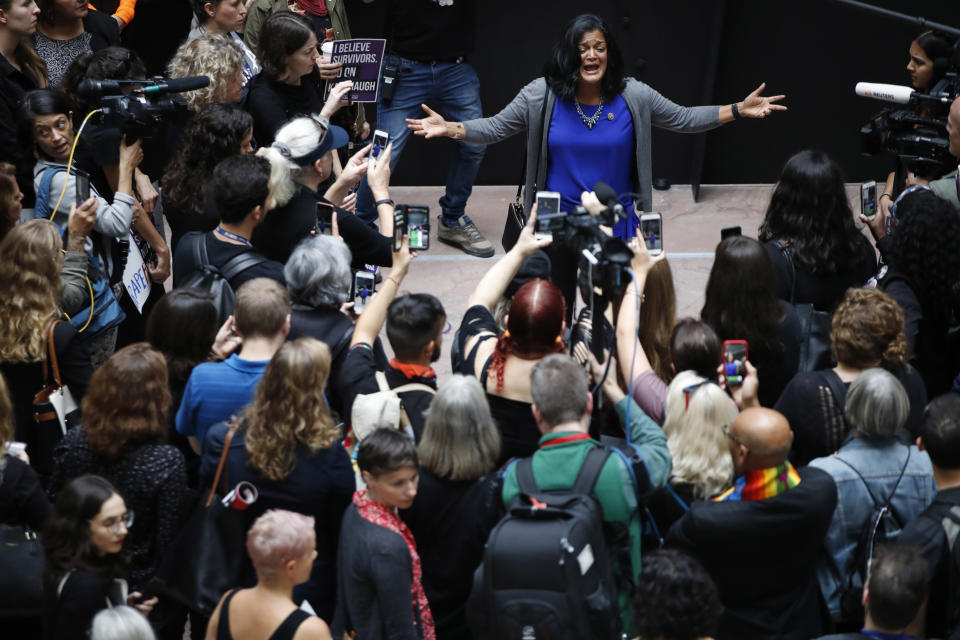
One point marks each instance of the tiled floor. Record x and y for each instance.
(691, 233)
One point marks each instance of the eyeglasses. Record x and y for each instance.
(114, 524)
(726, 431)
(689, 391)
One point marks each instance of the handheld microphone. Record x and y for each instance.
(608, 196)
(886, 92)
(178, 85)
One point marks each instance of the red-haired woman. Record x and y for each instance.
(124, 427)
(503, 362)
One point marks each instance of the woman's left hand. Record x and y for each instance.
(148, 195)
(335, 100)
(757, 106)
(136, 601)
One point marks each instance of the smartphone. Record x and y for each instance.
(868, 199)
(651, 226)
(380, 140)
(399, 228)
(417, 224)
(363, 285)
(82, 184)
(729, 232)
(734, 358)
(549, 217)
(324, 221)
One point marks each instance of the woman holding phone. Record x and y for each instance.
(586, 123)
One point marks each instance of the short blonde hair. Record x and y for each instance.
(695, 436)
(214, 55)
(277, 537)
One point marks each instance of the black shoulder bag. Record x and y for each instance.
(516, 216)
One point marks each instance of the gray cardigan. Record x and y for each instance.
(646, 105)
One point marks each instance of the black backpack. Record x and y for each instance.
(546, 570)
(951, 529)
(216, 280)
(883, 525)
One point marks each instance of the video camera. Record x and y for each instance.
(139, 110)
(917, 134)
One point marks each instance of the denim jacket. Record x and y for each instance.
(879, 461)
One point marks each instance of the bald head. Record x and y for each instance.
(953, 128)
(760, 439)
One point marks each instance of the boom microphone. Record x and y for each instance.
(886, 92)
(178, 85)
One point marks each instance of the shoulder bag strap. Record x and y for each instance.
(415, 386)
(544, 131)
(782, 248)
(526, 481)
(52, 355)
(240, 263)
(381, 378)
(590, 470)
(223, 462)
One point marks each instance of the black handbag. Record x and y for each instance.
(814, 326)
(516, 216)
(207, 558)
(21, 572)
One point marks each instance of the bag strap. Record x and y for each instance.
(220, 466)
(51, 356)
(525, 478)
(782, 248)
(200, 250)
(590, 470)
(886, 503)
(415, 386)
(240, 263)
(381, 378)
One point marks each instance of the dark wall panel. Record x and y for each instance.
(814, 51)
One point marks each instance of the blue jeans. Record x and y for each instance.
(452, 90)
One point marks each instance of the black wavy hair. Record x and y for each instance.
(183, 326)
(810, 213)
(66, 536)
(111, 63)
(562, 70)
(741, 299)
(924, 249)
(675, 598)
(214, 134)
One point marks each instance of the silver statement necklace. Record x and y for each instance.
(591, 122)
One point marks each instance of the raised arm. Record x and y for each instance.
(493, 284)
(371, 320)
(630, 352)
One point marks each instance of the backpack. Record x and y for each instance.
(216, 280)
(384, 408)
(814, 325)
(546, 570)
(105, 308)
(884, 524)
(951, 527)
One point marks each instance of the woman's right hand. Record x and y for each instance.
(642, 262)
(528, 243)
(378, 173)
(131, 154)
(401, 260)
(433, 126)
(356, 167)
(227, 340)
(82, 218)
(878, 225)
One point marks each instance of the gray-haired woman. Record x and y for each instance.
(457, 502)
(874, 467)
(319, 278)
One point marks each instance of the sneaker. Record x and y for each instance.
(466, 236)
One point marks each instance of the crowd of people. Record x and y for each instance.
(787, 497)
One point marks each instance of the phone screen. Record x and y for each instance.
(548, 203)
(82, 187)
(324, 224)
(418, 228)
(362, 290)
(380, 139)
(868, 199)
(734, 357)
(651, 226)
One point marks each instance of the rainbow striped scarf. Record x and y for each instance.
(762, 484)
